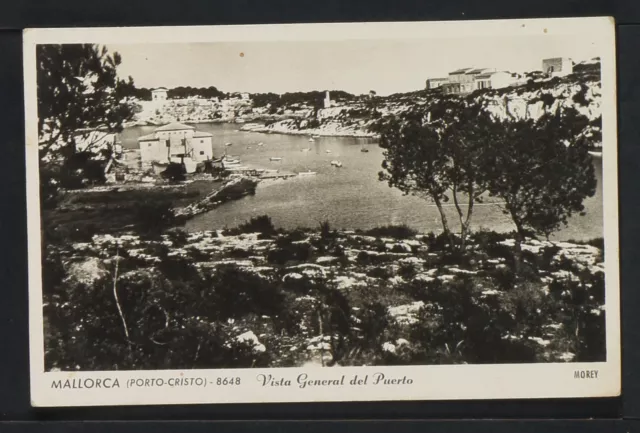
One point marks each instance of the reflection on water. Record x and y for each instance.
(350, 196)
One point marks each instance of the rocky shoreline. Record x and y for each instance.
(286, 128)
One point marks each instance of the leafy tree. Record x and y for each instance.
(78, 89)
(435, 152)
(78, 93)
(542, 170)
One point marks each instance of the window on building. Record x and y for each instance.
(149, 145)
(201, 141)
(202, 152)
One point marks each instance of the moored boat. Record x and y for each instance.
(307, 173)
(275, 158)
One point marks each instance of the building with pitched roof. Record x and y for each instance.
(175, 142)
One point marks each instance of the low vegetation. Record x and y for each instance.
(257, 297)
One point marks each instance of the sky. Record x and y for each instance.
(356, 66)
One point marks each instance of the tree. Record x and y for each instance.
(542, 170)
(78, 93)
(435, 152)
(78, 89)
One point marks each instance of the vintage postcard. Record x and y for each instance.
(322, 212)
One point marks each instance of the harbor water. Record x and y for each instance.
(348, 197)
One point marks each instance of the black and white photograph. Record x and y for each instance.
(393, 198)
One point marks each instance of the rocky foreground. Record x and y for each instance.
(227, 298)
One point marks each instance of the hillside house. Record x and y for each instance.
(159, 94)
(176, 141)
(495, 80)
(434, 83)
(463, 81)
(557, 66)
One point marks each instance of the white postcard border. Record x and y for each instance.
(446, 382)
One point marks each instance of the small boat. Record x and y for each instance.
(311, 139)
(328, 151)
(364, 150)
(315, 136)
(228, 144)
(336, 163)
(305, 150)
(261, 144)
(307, 173)
(275, 158)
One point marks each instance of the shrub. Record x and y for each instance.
(504, 277)
(382, 272)
(260, 224)
(325, 229)
(236, 293)
(392, 231)
(437, 243)
(174, 172)
(407, 270)
(286, 251)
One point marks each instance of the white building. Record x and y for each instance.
(495, 80)
(159, 94)
(557, 66)
(327, 100)
(175, 142)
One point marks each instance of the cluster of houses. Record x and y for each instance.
(466, 80)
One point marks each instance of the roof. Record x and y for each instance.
(148, 137)
(460, 71)
(200, 134)
(484, 76)
(174, 126)
(437, 79)
(480, 70)
(158, 88)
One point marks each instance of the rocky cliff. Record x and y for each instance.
(530, 98)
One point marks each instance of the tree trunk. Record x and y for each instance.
(443, 219)
(467, 222)
(520, 237)
(460, 216)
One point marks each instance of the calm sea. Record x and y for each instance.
(350, 197)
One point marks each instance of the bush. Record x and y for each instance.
(407, 271)
(174, 172)
(504, 277)
(382, 272)
(325, 230)
(392, 231)
(260, 224)
(437, 243)
(285, 250)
